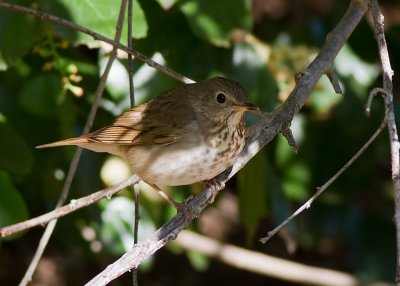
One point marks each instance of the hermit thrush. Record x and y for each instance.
(188, 134)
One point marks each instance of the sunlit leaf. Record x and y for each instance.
(215, 20)
(116, 229)
(350, 65)
(101, 16)
(297, 177)
(323, 98)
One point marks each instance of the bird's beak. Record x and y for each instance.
(246, 107)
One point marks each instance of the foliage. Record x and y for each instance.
(48, 78)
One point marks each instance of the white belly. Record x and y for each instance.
(168, 165)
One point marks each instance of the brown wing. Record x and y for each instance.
(123, 130)
(161, 121)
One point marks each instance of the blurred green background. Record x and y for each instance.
(48, 76)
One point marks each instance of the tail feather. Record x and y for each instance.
(71, 141)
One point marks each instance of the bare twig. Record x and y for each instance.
(334, 81)
(117, 44)
(390, 118)
(321, 189)
(74, 164)
(74, 205)
(267, 265)
(374, 92)
(132, 97)
(137, 212)
(287, 133)
(135, 281)
(130, 59)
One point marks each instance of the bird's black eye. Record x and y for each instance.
(221, 97)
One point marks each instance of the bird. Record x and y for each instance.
(185, 135)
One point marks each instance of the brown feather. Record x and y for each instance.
(70, 141)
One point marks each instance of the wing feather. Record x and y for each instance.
(157, 122)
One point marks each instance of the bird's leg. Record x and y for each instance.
(180, 207)
(215, 186)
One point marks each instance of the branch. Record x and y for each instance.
(264, 264)
(321, 189)
(74, 205)
(264, 132)
(390, 118)
(96, 36)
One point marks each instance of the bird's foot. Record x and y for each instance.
(184, 209)
(215, 186)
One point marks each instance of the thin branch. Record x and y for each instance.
(130, 59)
(374, 92)
(390, 118)
(74, 164)
(135, 281)
(74, 205)
(334, 81)
(264, 264)
(137, 212)
(321, 189)
(263, 133)
(132, 97)
(96, 36)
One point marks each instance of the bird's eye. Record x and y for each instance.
(221, 98)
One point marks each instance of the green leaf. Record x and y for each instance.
(100, 16)
(323, 98)
(3, 64)
(296, 183)
(139, 26)
(252, 185)
(15, 156)
(117, 224)
(199, 261)
(118, 81)
(215, 20)
(40, 95)
(12, 206)
(18, 33)
(349, 65)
